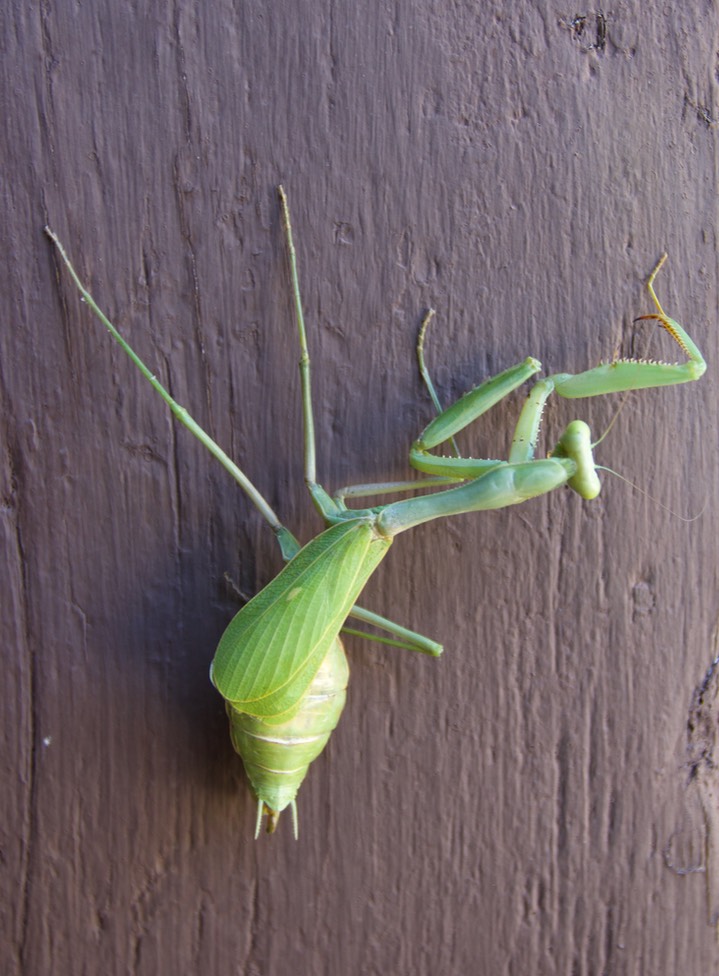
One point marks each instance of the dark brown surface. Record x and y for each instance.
(530, 804)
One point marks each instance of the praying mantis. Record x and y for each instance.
(280, 665)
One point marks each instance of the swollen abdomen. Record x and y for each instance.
(277, 752)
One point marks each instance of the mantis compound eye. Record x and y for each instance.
(576, 444)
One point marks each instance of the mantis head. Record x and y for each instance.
(576, 444)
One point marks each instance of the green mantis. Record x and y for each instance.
(280, 665)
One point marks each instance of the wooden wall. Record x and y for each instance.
(541, 800)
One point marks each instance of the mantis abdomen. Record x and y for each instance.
(281, 667)
(277, 752)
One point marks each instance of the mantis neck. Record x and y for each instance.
(503, 485)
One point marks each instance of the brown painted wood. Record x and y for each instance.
(528, 804)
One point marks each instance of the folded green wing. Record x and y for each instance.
(272, 648)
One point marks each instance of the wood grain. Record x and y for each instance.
(528, 804)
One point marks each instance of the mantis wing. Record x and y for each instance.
(273, 647)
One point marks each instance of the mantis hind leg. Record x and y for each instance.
(402, 637)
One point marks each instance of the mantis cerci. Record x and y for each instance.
(280, 665)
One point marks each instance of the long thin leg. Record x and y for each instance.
(424, 372)
(322, 500)
(287, 542)
(409, 640)
(390, 487)
(305, 382)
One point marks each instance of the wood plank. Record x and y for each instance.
(527, 803)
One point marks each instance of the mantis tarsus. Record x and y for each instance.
(280, 665)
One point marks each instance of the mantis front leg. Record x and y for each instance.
(447, 471)
(632, 374)
(490, 484)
